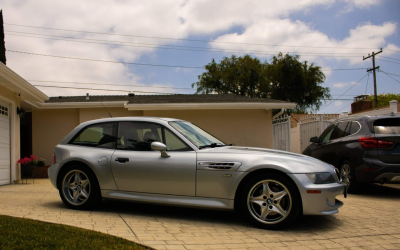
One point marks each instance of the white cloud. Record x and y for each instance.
(338, 103)
(287, 32)
(361, 4)
(343, 84)
(261, 21)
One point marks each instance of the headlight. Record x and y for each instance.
(321, 178)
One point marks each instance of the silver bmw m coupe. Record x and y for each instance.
(174, 162)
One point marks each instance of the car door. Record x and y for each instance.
(137, 168)
(318, 148)
(336, 145)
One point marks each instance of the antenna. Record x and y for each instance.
(106, 109)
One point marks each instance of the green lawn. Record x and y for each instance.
(17, 233)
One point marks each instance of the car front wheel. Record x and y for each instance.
(270, 201)
(78, 188)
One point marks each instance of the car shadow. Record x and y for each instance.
(226, 218)
(379, 191)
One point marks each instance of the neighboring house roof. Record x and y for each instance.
(168, 102)
(298, 117)
(200, 98)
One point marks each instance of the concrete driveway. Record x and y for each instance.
(369, 220)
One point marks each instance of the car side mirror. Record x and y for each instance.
(314, 139)
(158, 146)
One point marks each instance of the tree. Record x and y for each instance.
(286, 78)
(384, 99)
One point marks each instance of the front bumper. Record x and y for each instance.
(322, 203)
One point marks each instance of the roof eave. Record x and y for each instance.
(194, 106)
(30, 92)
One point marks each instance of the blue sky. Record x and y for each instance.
(344, 26)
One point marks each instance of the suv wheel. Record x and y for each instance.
(270, 201)
(79, 188)
(347, 176)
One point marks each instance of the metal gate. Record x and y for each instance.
(281, 132)
(313, 125)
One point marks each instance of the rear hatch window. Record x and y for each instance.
(389, 126)
(388, 131)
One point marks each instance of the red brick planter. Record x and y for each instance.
(40, 172)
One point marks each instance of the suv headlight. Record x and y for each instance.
(321, 178)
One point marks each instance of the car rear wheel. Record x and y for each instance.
(79, 188)
(270, 201)
(347, 177)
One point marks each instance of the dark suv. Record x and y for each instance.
(364, 149)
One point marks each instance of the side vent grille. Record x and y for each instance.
(221, 165)
(218, 166)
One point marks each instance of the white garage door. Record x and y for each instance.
(4, 144)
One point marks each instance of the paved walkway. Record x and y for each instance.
(367, 221)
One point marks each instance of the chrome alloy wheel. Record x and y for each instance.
(76, 187)
(269, 201)
(345, 174)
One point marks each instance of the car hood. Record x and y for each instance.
(251, 158)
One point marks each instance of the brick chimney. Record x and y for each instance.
(361, 103)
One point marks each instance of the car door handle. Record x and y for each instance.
(122, 160)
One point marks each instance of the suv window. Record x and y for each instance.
(340, 130)
(102, 135)
(387, 126)
(138, 136)
(355, 127)
(324, 137)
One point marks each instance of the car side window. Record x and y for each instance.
(102, 135)
(340, 131)
(324, 137)
(355, 127)
(138, 136)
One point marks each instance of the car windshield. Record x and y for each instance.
(196, 135)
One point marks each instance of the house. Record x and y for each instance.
(234, 119)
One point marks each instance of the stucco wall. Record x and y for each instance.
(14, 119)
(97, 113)
(295, 140)
(49, 127)
(241, 127)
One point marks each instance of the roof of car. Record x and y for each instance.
(365, 117)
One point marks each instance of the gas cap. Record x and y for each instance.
(103, 161)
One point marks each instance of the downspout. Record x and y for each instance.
(277, 115)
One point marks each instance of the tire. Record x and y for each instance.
(78, 187)
(273, 194)
(347, 175)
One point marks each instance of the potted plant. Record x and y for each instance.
(27, 166)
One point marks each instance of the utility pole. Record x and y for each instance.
(373, 69)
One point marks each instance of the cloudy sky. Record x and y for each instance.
(334, 34)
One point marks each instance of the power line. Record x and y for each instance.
(117, 90)
(140, 64)
(342, 108)
(388, 61)
(124, 85)
(180, 39)
(390, 58)
(389, 76)
(152, 45)
(391, 73)
(344, 92)
(95, 60)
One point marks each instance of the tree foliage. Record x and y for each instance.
(285, 78)
(384, 99)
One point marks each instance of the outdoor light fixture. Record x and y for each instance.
(20, 112)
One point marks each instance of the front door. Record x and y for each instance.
(137, 168)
